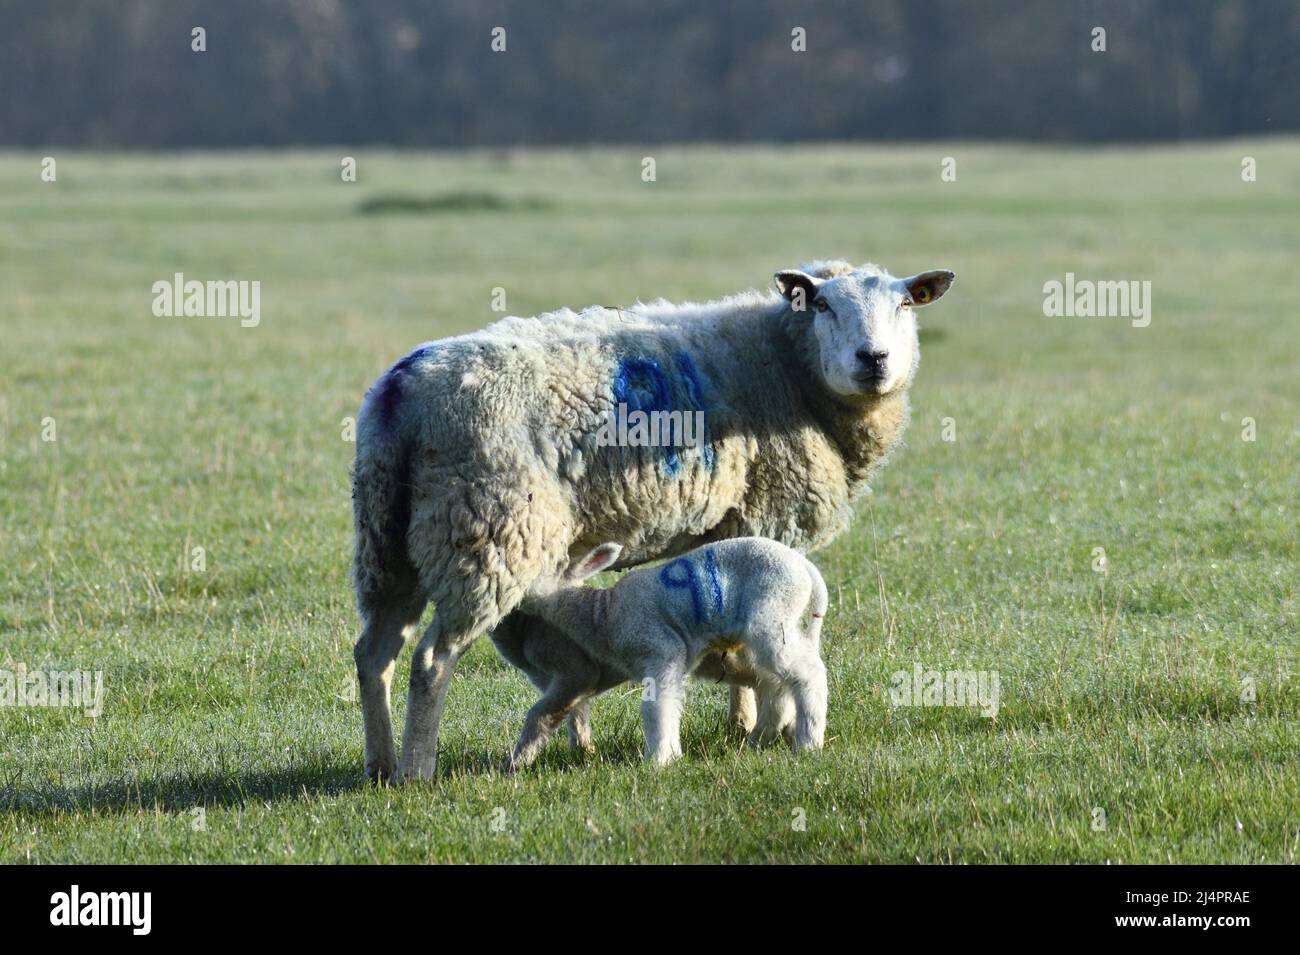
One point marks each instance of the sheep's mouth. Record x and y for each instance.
(871, 384)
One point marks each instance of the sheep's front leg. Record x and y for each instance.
(541, 721)
(662, 696)
(580, 727)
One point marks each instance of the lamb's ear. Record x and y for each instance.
(925, 287)
(799, 288)
(599, 559)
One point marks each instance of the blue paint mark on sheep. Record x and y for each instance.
(680, 575)
(695, 401)
(386, 393)
(641, 385)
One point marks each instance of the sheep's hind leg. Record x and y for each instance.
(386, 623)
(453, 629)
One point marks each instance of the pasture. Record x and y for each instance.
(187, 530)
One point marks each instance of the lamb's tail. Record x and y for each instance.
(381, 487)
(820, 601)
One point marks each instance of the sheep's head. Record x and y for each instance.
(863, 321)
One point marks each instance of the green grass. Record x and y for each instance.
(230, 690)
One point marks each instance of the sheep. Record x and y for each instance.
(478, 471)
(745, 596)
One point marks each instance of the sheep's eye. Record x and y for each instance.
(821, 306)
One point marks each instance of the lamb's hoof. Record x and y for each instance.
(739, 731)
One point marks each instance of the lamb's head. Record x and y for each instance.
(862, 321)
(589, 565)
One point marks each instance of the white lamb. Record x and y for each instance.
(740, 601)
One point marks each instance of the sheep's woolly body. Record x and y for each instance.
(496, 431)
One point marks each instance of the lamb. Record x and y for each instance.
(745, 597)
(478, 470)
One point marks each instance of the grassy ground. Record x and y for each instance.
(230, 728)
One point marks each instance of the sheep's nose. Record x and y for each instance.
(872, 359)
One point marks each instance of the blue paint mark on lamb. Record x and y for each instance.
(680, 575)
(711, 568)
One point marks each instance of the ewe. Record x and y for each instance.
(479, 473)
(743, 597)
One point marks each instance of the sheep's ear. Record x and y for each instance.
(599, 559)
(925, 287)
(798, 288)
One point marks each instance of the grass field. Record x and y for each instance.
(230, 729)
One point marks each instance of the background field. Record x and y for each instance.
(231, 730)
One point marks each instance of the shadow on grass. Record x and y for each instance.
(183, 792)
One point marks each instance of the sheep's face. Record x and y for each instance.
(864, 324)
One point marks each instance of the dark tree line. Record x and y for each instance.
(121, 73)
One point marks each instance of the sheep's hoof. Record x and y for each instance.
(380, 771)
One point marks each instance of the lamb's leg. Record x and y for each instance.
(453, 629)
(542, 720)
(742, 711)
(810, 694)
(387, 621)
(776, 714)
(661, 711)
(580, 727)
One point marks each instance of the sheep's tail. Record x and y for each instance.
(820, 601)
(381, 490)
